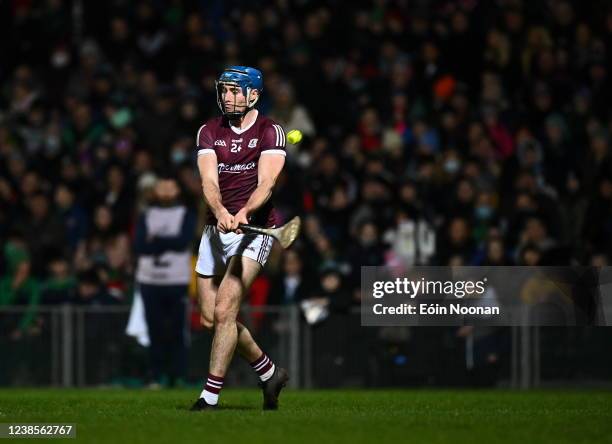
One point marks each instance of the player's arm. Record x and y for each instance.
(268, 170)
(271, 162)
(209, 175)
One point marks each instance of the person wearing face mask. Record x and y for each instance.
(163, 241)
(485, 215)
(178, 156)
(451, 166)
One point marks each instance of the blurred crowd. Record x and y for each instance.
(436, 132)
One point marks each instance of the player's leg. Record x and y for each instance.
(207, 293)
(235, 246)
(210, 267)
(246, 346)
(240, 273)
(273, 378)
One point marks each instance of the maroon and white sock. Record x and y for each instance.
(264, 367)
(213, 386)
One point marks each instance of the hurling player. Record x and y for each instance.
(240, 155)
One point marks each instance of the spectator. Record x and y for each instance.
(118, 196)
(71, 215)
(107, 250)
(91, 291)
(60, 286)
(289, 114)
(496, 254)
(163, 235)
(512, 138)
(331, 291)
(19, 287)
(367, 251)
(456, 243)
(290, 286)
(43, 231)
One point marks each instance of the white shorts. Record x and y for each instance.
(217, 248)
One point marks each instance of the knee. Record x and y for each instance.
(224, 315)
(207, 322)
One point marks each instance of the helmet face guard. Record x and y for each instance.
(245, 78)
(234, 113)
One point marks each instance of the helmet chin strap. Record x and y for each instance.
(248, 99)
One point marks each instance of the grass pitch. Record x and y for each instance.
(338, 416)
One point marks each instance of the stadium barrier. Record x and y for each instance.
(76, 346)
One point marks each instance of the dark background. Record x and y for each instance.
(436, 132)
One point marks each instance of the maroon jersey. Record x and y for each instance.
(238, 152)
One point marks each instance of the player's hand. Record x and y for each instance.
(225, 221)
(240, 217)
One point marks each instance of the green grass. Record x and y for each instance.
(338, 416)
